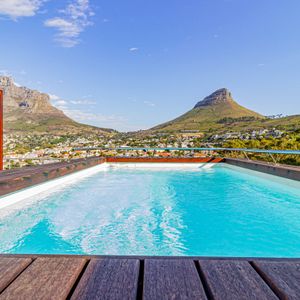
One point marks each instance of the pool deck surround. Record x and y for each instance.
(285, 171)
(148, 278)
(136, 277)
(17, 179)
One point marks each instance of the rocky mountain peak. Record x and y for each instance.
(21, 99)
(27, 110)
(6, 81)
(219, 96)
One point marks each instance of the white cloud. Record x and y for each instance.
(54, 97)
(108, 121)
(75, 18)
(133, 49)
(60, 103)
(20, 8)
(149, 103)
(83, 102)
(89, 116)
(5, 72)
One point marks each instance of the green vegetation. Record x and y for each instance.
(289, 142)
(229, 120)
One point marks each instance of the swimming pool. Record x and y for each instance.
(163, 210)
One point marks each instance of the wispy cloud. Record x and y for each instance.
(54, 97)
(5, 72)
(149, 103)
(20, 8)
(87, 116)
(133, 49)
(101, 120)
(58, 102)
(72, 22)
(83, 102)
(61, 103)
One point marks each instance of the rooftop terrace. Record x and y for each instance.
(109, 277)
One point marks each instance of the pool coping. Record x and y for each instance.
(14, 180)
(285, 171)
(18, 179)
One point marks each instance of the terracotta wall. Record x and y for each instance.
(163, 160)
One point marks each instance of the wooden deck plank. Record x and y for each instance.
(172, 279)
(10, 268)
(234, 280)
(45, 278)
(283, 277)
(113, 279)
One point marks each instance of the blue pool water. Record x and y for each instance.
(220, 211)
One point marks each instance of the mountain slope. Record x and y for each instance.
(211, 113)
(29, 111)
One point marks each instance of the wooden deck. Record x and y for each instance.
(16, 179)
(79, 277)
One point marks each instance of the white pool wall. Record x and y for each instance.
(63, 181)
(52, 185)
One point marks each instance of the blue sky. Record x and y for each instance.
(132, 64)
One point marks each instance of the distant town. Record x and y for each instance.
(31, 150)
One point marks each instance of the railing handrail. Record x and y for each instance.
(272, 151)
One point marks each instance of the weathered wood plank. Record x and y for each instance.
(234, 280)
(45, 278)
(111, 279)
(10, 268)
(283, 277)
(172, 279)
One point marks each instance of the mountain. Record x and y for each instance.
(29, 111)
(220, 113)
(212, 112)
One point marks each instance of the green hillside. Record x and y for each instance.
(29, 111)
(219, 113)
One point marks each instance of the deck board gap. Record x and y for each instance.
(263, 277)
(78, 279)
(32, 260)
(141, 280)
(203, 280)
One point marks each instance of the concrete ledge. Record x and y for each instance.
(14, 180)
(289, 172)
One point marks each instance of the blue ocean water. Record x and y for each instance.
(220, 211)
